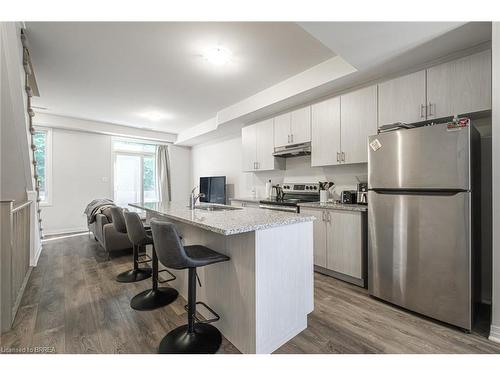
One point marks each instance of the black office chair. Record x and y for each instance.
(198, 336)
(155, 297)
(136, 273)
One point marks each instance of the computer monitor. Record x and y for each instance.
(214, 189)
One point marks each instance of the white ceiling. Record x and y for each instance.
(368, 44)
(115, 72)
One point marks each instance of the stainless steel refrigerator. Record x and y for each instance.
(423, 217)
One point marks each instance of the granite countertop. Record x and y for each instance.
(336, 206)
(246, 199)
(226, 222)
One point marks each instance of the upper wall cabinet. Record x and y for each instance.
(282, 130)
(459, 87)
(325, 143)
(300, 125)
(249, 146)
(358, 120)
(341, 126)
(258, 146)
(292, 127)
(402, 99)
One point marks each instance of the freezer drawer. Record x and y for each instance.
(429, 157)
(419, 253)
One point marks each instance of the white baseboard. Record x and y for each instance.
(37, 256)
(64, 231)
(495, 334)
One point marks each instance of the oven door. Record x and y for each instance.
(278, 207)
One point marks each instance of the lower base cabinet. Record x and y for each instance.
(340, 243)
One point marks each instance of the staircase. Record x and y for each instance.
(31, 90)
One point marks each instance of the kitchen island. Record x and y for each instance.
(265, 292)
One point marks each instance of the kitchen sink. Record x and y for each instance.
(210, 207)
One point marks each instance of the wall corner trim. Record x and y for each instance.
(494, 334)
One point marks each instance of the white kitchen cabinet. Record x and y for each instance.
(358, 120)
(325, 132)
(339, 243)
(402, 99)
(345, 242)
(265, 146)
(319, 228)
(292, 127)
(460, 86)
(258, 147)
(282, 130)
(249, 144)
(300, 125)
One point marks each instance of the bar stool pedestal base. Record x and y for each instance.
(205, 339)
(134, 275)
(153, 298)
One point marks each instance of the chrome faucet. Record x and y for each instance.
(194, 197)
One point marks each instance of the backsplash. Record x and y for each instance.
(298, 169)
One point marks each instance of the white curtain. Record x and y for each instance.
(163, 173)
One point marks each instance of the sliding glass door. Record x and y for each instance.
(134, 178)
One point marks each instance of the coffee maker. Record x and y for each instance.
(362, 193)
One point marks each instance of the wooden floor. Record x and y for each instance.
(73, 305)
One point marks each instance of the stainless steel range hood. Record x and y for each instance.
(299, 149)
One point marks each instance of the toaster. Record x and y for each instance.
(348, 197)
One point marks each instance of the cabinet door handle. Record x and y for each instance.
(329, 217)
(422, 113)
(430, 109)
(343, 156)
(254, 165)
(258, 165)
(338, 156)
(323, 215)
(291, 135)
(288, 138)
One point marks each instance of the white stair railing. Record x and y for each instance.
(15, 266)
(29, 81)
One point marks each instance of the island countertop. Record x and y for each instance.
(228, 222)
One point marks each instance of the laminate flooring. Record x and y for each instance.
(72, 304)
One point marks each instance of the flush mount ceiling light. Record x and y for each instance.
(154, 115)
(217, 55)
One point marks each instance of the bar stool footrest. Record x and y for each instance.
(198, 320)
(172, 278)
(144, 258)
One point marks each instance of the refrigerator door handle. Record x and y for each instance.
(442, 192)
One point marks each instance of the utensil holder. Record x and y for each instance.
(323, 196)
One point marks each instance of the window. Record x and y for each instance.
(134, 172)
(42, 140)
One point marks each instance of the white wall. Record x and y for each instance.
(224, 157)
(15, 164)
(495, 44)
(82, 171)
(180, 172)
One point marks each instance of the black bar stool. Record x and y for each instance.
(155, 297)
(196, 337)
(135, 274)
